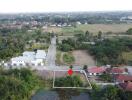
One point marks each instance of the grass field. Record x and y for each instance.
(127, 56)
(93, 28)
(68, 58)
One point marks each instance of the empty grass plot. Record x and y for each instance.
(71, 79)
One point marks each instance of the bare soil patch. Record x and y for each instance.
(83, 58)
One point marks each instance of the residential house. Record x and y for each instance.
(30, 58)
(116, 70)
(96, 70)
(126, 86)
(121, 78)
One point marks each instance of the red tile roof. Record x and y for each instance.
(126, 86)
(122, 77)
(96, 70)
(117, 70)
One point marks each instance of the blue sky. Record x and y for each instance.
(14, 6)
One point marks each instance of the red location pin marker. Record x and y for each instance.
(70, 72)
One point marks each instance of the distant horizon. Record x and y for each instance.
(109, 11)
(58, 6)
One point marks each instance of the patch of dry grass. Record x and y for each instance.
(93, 28)
(127, 55)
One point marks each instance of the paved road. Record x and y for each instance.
(51, 55)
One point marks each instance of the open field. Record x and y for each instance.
(94, 28)
(83, 58)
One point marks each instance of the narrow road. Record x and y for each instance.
(51, 55)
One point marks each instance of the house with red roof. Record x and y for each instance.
(126, 86)
(116, 70)
(121, 78)
(96, 70)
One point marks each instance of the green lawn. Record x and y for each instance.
(68, 58)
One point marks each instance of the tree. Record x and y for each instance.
(110, 93)
(85, 67)
(99, 35)
(87, 33)
(71, 66)
(107, 93)
(65, 47)
(35, 50)
(17, 84)
(129, 31)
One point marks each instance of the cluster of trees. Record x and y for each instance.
(77, 42)
(67, 45)
(69, 81)
(10, 45)
(14, 41)
(109, 93)
(110, 51)
(17, 84)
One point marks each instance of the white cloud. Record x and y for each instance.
(63, 5)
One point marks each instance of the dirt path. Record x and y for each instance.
(83, 58)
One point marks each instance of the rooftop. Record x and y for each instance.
(40, 54)
(30, 56)
(122, 77)
(117, 70)
(96, 69)
(126, 86)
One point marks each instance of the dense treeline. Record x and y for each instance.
(110, 51)
(10, 46)
(76, 42)
(109, 93)
(91, 18)
(17, 84)
(13, 42)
